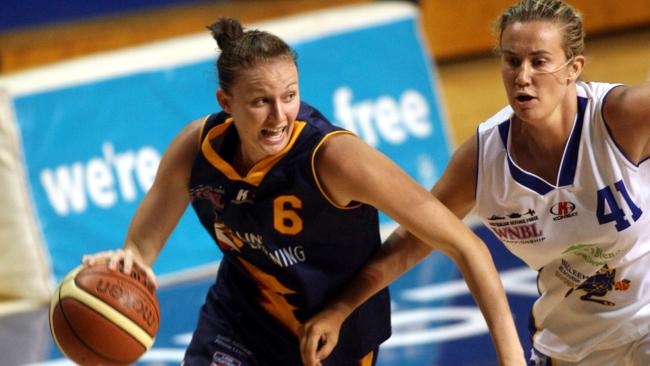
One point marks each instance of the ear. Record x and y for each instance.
(224, 100)
(575, 69)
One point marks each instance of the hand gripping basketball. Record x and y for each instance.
(104, 316)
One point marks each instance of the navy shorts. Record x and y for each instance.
(231, 334)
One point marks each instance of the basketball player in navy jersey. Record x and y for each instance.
(292, 201)
(562, 177)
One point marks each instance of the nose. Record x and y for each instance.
(523, 74)
(277, 111)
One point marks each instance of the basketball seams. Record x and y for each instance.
(81, 340)
(70, 289)
(119, 277)
(57, 297)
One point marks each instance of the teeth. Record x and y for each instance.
(272, 132)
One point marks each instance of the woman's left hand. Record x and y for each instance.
(320, 334)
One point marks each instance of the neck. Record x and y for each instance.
(550, 133)
(242, 162)
(537, 146)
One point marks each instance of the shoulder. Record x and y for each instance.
(350, 170)
(594, 90)
(338, 149)
(315, 119)
(503, 115)
(194, 131)
(211, 120)
(626, 112)
(187, 143)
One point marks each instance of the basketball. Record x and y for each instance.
(104, 317)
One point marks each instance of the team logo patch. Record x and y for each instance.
(223, 359)
(563, 210)
(517, 227)
(600, 284)
(212, 194)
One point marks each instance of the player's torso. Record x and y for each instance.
(276, 226)
(584, 232)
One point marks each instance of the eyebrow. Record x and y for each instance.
(533, 53)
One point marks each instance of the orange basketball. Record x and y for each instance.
(104, 317)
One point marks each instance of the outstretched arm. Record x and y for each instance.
(160, 209)
(373, 179)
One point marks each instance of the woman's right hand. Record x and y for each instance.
(114, 257)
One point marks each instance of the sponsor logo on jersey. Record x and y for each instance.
(563, 210)
(223, 359)
(236, 352)
(243, 196)
(517, 227)
(229, 239)
(592, 254)
(569, 275)
(600, 284)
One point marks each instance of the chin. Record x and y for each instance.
(275, 148)
(527, 115)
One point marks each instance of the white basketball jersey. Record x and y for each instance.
(587, 234)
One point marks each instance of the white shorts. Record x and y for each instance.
(636, 353)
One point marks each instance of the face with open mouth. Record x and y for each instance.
(535, 70)
(263, 102)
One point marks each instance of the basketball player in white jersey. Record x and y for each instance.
(562, 177)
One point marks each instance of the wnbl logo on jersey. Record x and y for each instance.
(517, 228)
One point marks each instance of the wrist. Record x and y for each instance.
(340, 309)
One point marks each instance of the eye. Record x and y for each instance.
(258, 102)
(290, 96)
(513, 62)
(539, 63)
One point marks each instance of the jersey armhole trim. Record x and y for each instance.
(313, 170)
(205, 121)
(611, 136)
(478, 153)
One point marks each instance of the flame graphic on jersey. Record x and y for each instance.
(273, 297)
(225, 237)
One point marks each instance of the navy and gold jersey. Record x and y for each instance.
(287, 249)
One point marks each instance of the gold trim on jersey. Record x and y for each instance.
(367, 359)
(205, 120)
(259, 170)
(313, 170)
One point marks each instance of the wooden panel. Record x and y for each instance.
(462, 28)
(27, 48)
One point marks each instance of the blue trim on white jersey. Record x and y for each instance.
(569, 162)
(520, 176)
(478, 158)
(609, 132)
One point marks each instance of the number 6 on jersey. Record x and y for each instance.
(285, 218)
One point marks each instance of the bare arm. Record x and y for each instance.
(627, 112)
(161, 208)
(372, 178)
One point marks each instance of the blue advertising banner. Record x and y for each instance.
(92, 142)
